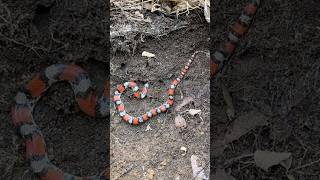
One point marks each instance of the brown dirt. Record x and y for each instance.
(275, 72)
(136, 152)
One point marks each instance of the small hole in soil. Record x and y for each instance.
(61, 56)
(83, 65)
(60, 111)
(123, 65)
(71, 108)
(265, 132)
(41, 9)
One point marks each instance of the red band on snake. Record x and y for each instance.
(238, 30)
(22, 115)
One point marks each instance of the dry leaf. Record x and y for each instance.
(194, 111)
(147, 54)
(180, 122)
(228, 99)
(266, 159)
(243, 124)
(291, 177)
(222, 175)
(197, 171)
(185, 101)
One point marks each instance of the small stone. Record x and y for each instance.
(180, 122)
(150, 174)
(149, 128)
(147, 54)
(184, 149)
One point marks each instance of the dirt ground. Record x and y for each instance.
(34, 34)
(273, 78)
(137, 153)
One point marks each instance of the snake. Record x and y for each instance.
(238, 30)
(94, 106)
(23, 119)
(220, 57)
(162, 108)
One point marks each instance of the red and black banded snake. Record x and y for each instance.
(216, 64)
(238, 30)
(26, 99)
(88, 101)
(141, 94)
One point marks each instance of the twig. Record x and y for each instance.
(238, 158)
(127, 170)
(25, 45)
(306, 165)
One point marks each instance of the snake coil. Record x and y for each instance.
(23, 120)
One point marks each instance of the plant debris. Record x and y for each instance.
(184, 102)
(197, 171)
(147, 54)
(222, 175)
(244, 124)
(194, 112)
(133, 18)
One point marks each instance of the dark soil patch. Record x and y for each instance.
(274, 72)
(34, 34)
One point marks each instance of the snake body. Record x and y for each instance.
(89, 103)
(23, 120)
(141, 94)
(238, 30)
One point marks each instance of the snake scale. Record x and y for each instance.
(92, 105)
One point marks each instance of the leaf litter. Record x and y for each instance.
(245, 124)
(184, 102)
(241, 126)
(222, 175)
(194, 112)
(267, 159)
(197, 171)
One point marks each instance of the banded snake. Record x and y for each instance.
(89, 103)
